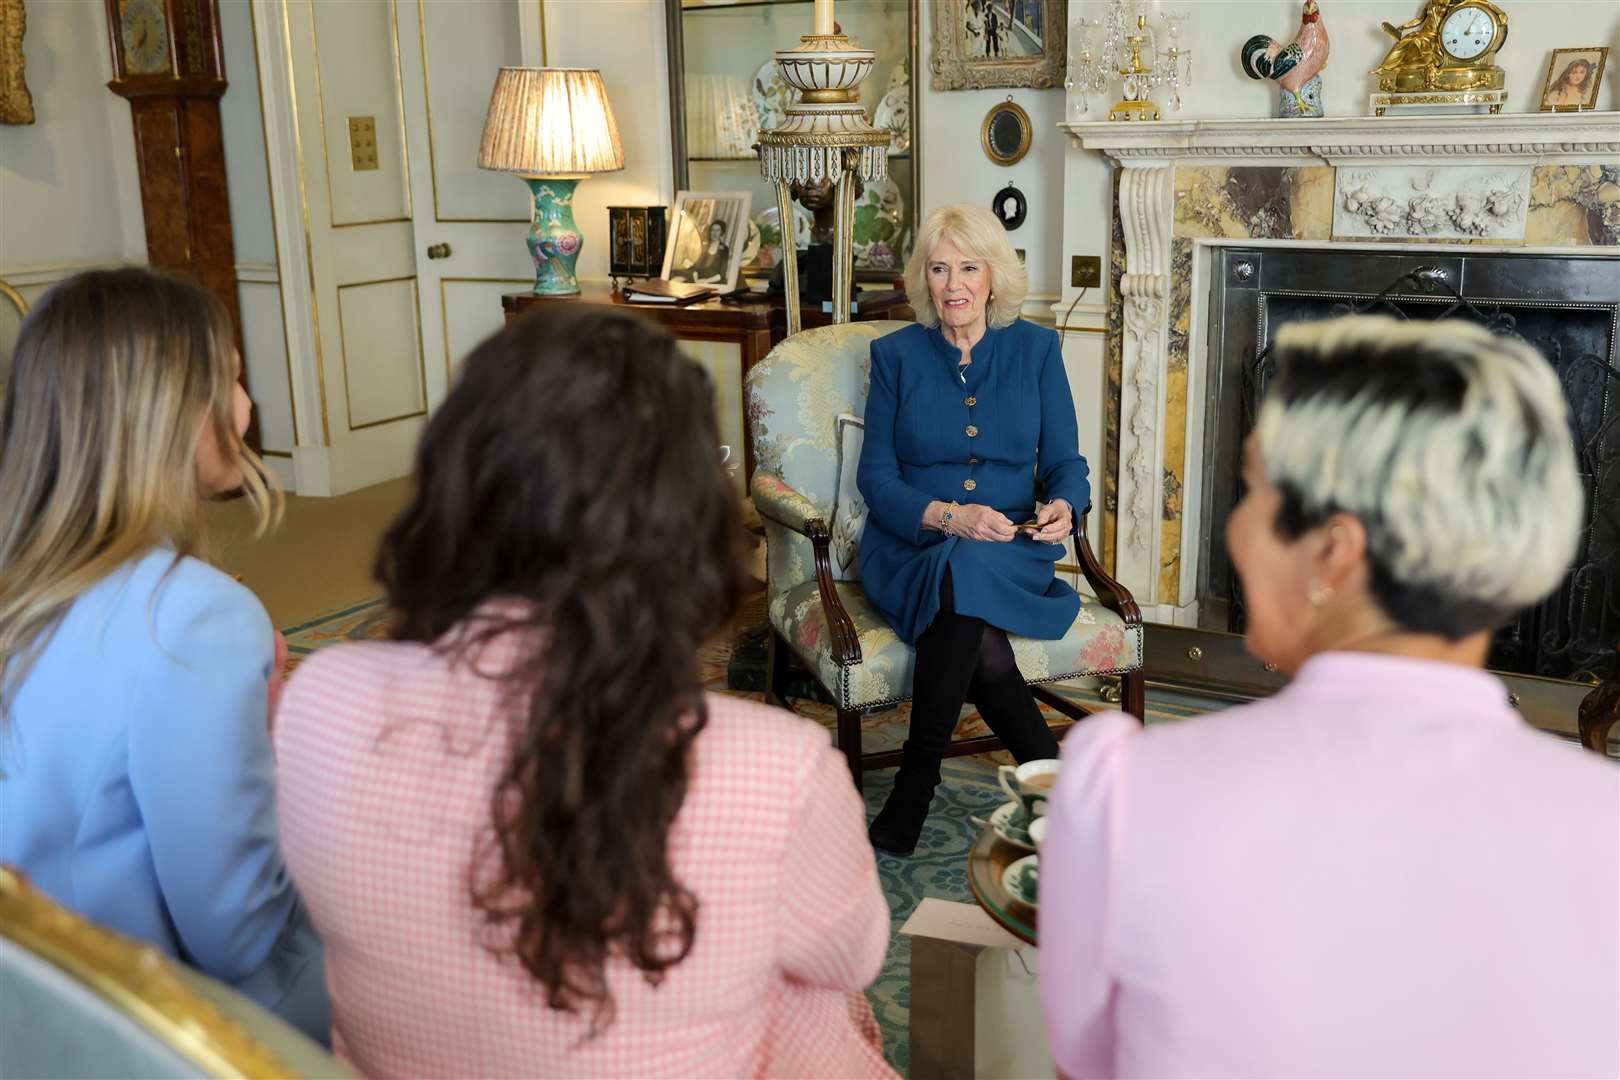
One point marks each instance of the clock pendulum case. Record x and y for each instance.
(169, 62)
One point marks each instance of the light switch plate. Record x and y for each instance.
(1085, 271)
(363, 142)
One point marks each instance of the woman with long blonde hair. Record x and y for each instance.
(136, 776)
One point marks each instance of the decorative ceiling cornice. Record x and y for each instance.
(1534, 138)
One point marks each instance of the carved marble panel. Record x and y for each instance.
(1465, 202)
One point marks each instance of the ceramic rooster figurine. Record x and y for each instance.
(1296, 67)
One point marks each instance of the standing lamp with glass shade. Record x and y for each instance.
(553, 127)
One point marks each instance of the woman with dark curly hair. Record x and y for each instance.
(535, 845)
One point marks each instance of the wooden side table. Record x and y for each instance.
(752, 325)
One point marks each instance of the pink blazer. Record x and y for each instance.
(387, 758)
(1382, 871)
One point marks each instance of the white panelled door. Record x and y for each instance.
(470, 224)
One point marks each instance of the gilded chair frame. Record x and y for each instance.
(135, 979)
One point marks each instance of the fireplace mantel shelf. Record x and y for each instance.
(1508, 138)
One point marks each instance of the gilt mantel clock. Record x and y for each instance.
(169, 62)
(1445, 56)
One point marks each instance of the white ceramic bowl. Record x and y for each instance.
(1037, 830)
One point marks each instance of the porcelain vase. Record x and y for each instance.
(554, 242)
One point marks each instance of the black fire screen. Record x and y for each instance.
(1566, 307)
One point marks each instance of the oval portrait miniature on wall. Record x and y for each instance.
(1006, 133)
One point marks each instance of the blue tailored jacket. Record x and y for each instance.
(980, 434)
(137, 784)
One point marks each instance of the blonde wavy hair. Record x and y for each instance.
(977, 232)
(114, 373)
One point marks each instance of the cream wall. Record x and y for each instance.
(625, 39)
(68, 191)
(955, 168)
(70, 195)
(264, 339)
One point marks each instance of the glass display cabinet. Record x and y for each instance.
(724, 87)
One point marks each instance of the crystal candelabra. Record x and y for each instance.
(1126, 47)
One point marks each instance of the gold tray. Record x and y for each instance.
(990, 857)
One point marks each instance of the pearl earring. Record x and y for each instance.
(1319, 595)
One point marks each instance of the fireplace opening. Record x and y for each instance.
(1565, 306)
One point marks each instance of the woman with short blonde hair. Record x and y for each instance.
(134, 678)
(969, 228)
(972, 472)
(1384, 845)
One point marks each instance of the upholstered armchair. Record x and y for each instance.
(77, 1000)
(806, 401)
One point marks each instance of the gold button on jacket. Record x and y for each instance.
(972, 431)
(969, 484)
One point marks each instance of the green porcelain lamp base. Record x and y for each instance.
(554, 242)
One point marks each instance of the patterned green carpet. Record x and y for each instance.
(937, 868)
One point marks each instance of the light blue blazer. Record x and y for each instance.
(137, 784)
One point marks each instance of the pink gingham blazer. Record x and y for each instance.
(387, 759)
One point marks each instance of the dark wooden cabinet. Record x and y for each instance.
(754, 324)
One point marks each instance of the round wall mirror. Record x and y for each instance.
(1006, 133)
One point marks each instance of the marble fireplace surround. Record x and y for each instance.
(1529, 182)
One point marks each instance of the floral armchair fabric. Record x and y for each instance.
(795, 397)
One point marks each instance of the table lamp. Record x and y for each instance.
(553, 127)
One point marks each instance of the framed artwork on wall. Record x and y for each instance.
(16, 103)
(706, 238)
(1573, 78)
(989, 44)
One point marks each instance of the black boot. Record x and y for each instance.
(900, 822)
(947, 656)
(1010, 711)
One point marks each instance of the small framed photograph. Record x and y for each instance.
(706, 238)
(1573, 77)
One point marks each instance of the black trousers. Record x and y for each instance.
(962, 656)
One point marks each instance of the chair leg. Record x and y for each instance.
(1133, 694)
(849, 741)
(776, 666)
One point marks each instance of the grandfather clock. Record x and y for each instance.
(169, 61)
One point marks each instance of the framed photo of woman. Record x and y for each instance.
(1573, 77)
(706, 238)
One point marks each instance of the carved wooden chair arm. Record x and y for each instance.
(1113, 596)
(778, 502)
(846, 643)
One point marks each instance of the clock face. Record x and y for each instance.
(1468, 32)
(145, 32)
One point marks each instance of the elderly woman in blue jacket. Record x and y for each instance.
(973, 475)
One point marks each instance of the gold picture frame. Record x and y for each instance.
(16, 103)
(1555, 92)
(995, 44)
(1006, 133)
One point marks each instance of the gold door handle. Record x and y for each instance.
(439, 251)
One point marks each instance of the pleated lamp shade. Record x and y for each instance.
(550, 122)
